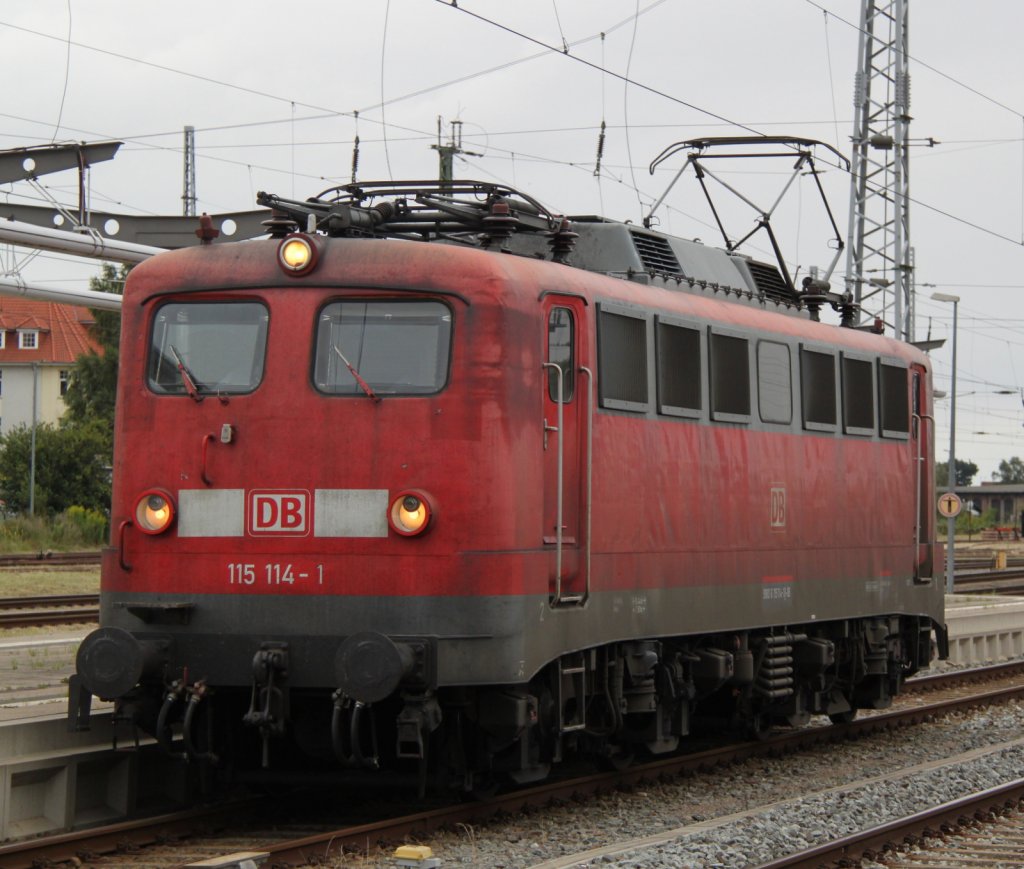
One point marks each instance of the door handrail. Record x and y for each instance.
(558, 498)
(920, 417)
(590, 477)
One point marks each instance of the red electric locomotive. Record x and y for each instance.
(446, 483)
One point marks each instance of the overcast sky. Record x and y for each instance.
(277, 94)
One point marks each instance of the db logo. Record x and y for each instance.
(777, 511)
(278, 511)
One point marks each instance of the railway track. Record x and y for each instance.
(1009, 581)
(982, 829)
(993, 835)
(298, 847)
(49, 618)
(51, 601)
(49, 610)
(48, 560)
(980, 562)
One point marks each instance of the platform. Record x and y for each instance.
(984, 628)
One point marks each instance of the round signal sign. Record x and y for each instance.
(950, 504)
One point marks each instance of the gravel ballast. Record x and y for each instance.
(756, 810)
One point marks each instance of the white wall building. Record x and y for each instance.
(39, 343)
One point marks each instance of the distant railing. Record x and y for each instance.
(1008, 532)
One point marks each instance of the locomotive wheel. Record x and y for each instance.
(485, 787)
(759, 725)
(842, 699)
(618, 760)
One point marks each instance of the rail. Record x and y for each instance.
(939, 820)
(48, 610)
(49, 559)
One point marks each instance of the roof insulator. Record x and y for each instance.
(279, 225)
(562, 241)
(499, 224)
(206, 232)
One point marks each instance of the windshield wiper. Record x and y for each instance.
(362, 383)
(186, 376)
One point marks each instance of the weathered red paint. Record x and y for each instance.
(675, 504)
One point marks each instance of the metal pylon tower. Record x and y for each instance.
(188, 196)
(879, 259)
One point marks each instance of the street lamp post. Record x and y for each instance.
(950, 520)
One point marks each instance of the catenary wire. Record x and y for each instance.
(67, 77)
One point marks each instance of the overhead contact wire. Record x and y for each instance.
(600, 138)
(625, 107)
(383, 122)
(67, 76)
(592, 65)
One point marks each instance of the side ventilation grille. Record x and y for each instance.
(656, 254)
(769, 281)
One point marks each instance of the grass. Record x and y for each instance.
(30, 583)
(76, 528)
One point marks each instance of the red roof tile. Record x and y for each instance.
(63, 335)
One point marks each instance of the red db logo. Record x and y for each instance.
(778, 507)
(278, 511)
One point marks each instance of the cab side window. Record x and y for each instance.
(561, 334)
(895, 402)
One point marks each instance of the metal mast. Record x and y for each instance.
(446, 153)
(879, 259)
(188, 197)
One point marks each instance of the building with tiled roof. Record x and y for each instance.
(39, 343)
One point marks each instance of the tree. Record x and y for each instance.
(1010, 471)
(964, 472)
(92, 389)
(72, 468)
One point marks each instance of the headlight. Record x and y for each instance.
(154, 512)
(410, 513)
(297, 254)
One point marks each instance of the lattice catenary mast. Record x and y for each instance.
(879, 258)
(188, 196)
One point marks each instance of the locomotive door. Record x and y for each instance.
(568, 410)
(922, 435)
